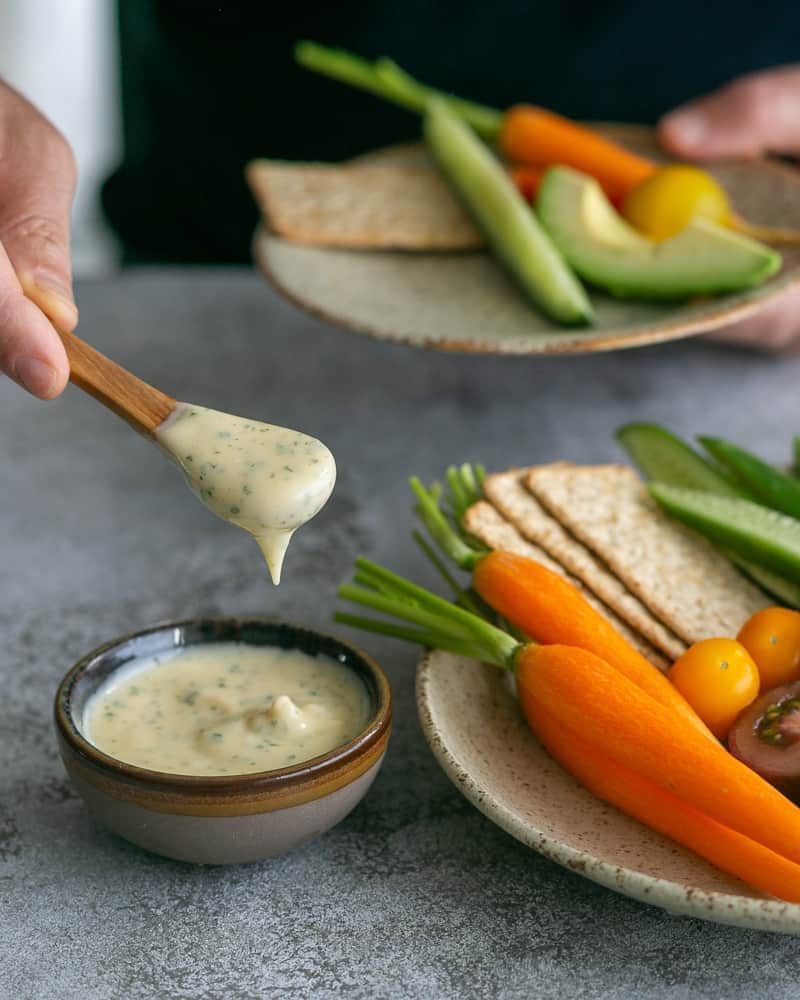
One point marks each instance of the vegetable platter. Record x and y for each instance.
(606, 684)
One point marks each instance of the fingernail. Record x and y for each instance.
(36, 376)
(686, 127)
(53, 302)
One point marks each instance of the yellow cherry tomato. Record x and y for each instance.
(719, 680)
(772, 638)
(664, 203)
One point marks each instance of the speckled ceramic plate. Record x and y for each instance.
(474, 727)
(465, 302)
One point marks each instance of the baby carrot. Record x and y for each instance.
(540, 138)
(527, 180)
(667, 813)
(544, 605)
(590, 699)
(552, 610)
(593, 702)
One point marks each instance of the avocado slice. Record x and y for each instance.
(600, 245)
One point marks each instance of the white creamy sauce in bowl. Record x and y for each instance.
(227, 708)
(267, 479)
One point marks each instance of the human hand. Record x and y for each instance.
(752, 116)
(37, 182)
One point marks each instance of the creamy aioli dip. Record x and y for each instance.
(227, 708)
(269, 480)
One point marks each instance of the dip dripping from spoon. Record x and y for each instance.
(266, 479)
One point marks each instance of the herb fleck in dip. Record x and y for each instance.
(269, 480)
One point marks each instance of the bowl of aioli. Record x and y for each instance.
(223, 741)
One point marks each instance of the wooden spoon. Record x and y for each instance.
(142, 405)
(272, 514)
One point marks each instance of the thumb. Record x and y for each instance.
(38, 248)
(31, 351)
(751, 116)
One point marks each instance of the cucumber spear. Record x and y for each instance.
(504, 216)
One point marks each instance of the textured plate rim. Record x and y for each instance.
(645, 336)
(678, 899)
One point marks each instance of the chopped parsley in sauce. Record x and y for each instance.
(227, 708)
(269, 480)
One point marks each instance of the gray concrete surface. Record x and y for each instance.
(415, 894)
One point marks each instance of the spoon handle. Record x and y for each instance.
(143, 406)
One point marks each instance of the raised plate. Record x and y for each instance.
(465, 302)
(476, 732)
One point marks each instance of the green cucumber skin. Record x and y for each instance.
(781, 588)
(662, 456)
(765, 483)
(504, 217)
(752, 531)
(796, 452)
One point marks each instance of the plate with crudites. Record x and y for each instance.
(380, 246)
(667, 589)
(610, 685)
(519, 231)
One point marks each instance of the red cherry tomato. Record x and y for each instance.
(766, 737)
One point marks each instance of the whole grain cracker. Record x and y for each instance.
(361, 205)
(507, 492)
(490, 527)
(677, 574)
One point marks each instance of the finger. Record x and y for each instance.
(753, 115)
(38, 185)
(31, 351)
(776, 327)
(36, 240)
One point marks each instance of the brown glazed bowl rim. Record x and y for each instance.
(258, 783)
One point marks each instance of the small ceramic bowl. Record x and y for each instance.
(231, 818)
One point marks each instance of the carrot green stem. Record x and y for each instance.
(458, 491)
(392, 585)
(472, 477)
(448, 540)
(421, 637)
(463, 597)
(415, 95)
(394, 606)
(384, 78)
(380, 586)
(466, 486)
(438, 564)
(442, 624)
(412, 593)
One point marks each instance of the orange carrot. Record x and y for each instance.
(590, 699)
(540, 138)
(592, 702)
(550, 609)
(527, 180)
(666, 813)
